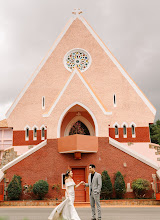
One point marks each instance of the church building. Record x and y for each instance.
(79, 107)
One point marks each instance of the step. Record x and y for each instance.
(114, 202)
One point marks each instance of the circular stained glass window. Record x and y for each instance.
(79, 58)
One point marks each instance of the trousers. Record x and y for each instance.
(95, 199)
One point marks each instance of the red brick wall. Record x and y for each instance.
(142, 134)
(48, 164)
(19, 138)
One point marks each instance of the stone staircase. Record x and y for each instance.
(156, 147)
(8, 155)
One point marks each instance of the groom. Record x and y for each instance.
(95, 185)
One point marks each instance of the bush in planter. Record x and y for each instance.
(119, 185)
(40, 188)
(107, 188)
(140, 187)
(14, 188)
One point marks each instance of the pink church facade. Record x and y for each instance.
(80, 81)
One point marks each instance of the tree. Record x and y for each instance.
(119, 185)
(140, 187)
(40, 188)
(107, 188)
(155, 132)
(14, 188)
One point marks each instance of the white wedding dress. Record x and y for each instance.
(66, 210)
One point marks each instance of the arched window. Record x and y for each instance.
(35, 133)
(27, 134)
(116, 131)
(133, 130)
(124, 130)
(79, 128)
(43, 133)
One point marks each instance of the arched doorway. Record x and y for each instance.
(77, 120)
(62, 124)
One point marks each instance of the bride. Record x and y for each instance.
(66, 210)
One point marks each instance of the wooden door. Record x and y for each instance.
(1, 192)
(78, 176)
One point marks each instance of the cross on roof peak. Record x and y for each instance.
(77, 12)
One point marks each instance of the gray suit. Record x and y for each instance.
(94, 193)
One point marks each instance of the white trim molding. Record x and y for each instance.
(133, 135)
(76, 49)
(116, 124)
(82, 151)
(124, 73)
(133, 153)
(35, 126)
(40, 66)
(20, 158)
(43, 126)
(132, 123)
(25, 128)
(124, 123)
(82, 119)
(34, 137)
(67, 109)
(76, 71)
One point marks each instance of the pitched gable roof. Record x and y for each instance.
(35, 73)
(118, 65)
(89, 88)
(101, 43)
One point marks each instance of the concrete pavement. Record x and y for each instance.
(108, 213)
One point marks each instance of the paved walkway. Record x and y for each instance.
(108, 213)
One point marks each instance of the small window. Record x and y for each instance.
(43, 102)
(124, 130)
(116, 130)
(35, 134)
(27, 134)
(133, 130)
(114, 100)
(43, 133)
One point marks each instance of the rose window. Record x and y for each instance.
(79, 58)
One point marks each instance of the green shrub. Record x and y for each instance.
(14, 188)
(119, 185)
(107, 188)
(140, 187)
(40, 188)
